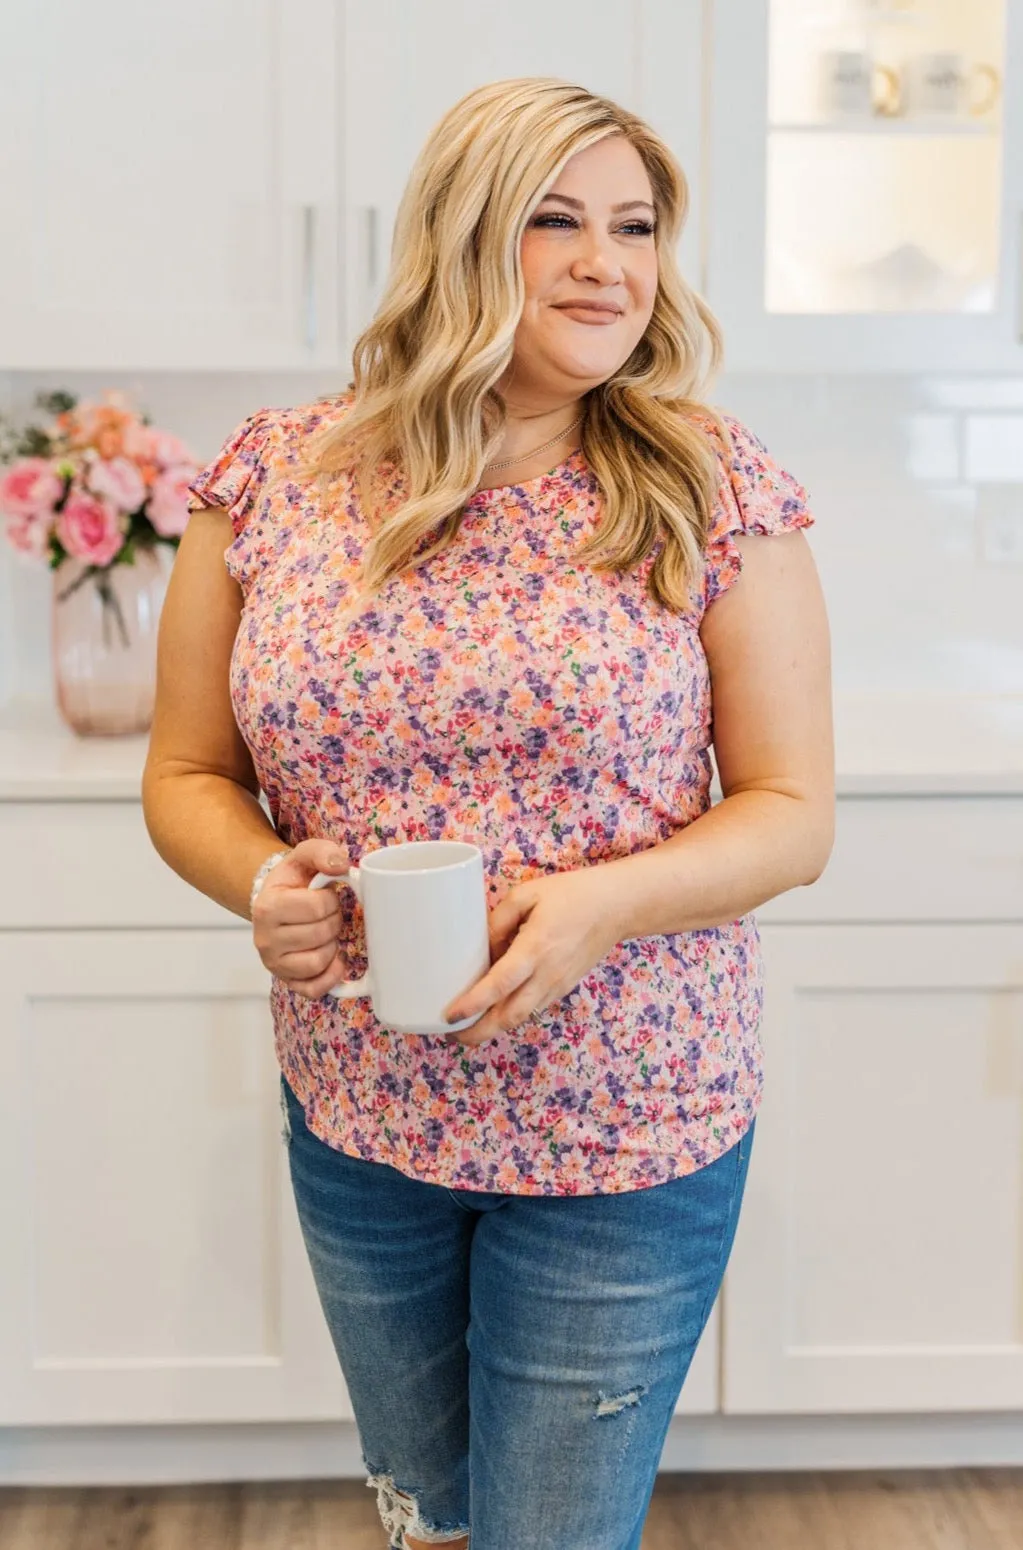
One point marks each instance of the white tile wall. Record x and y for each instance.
(917, 484)
(911, 542)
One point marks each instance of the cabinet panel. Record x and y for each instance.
(92, 864)
(170, 197)
(155, 1266)
(878, 1263)
(919, 858)
(405, 66)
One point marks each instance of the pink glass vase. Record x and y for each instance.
(104, 641)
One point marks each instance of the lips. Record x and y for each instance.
(589, 306)
(590, 314)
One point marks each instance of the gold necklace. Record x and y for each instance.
(521, 457)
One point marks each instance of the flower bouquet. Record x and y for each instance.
(102, 495)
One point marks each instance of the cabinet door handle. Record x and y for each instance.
(1019, 283)
(309, 275)
(371, 247)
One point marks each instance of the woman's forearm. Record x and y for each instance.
(211, 831)
(745, 850)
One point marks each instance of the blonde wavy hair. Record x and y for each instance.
(426, 409)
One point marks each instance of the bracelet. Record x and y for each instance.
(263, 873)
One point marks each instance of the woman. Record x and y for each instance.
(493, 593)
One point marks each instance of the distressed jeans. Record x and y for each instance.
(513, 1361)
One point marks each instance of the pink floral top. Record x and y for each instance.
(555, 717)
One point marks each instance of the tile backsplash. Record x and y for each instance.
(916, 482)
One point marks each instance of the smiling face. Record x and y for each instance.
(589, 262)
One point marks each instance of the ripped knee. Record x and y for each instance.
(614, 1404)
(461, 1543)
(402, 1519)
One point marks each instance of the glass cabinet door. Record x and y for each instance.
(866, 191)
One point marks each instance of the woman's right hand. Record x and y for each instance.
(296, 931)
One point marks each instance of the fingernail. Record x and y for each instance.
(336, 859)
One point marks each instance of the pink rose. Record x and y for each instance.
(31, 534)
(119, 481)
(140, 442)
(168, 500)
(90, 528)
(30, 488)
(147, 445)
(168, 450)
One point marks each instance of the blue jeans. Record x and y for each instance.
(513, 1361)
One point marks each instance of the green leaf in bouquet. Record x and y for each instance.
(35, 442)
(65, 471)
(57, 402)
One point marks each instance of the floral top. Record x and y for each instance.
(553, 716)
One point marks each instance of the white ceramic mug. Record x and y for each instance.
(853, 86)
(945, 84)
(427, 939)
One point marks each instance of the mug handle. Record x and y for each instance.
(890, 100)
(994, 80)
(348, 989)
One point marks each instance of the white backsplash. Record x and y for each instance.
(917, 484)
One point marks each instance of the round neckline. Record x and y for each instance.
(498, 491)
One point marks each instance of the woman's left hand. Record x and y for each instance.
(545, 936)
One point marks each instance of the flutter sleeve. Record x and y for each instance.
(755, 495)
(234, 480)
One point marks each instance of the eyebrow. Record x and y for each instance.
(577, 204)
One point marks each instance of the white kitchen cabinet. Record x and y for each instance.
(213, 183)
(877, 1266)
(170, 184)
(153, 1263)
(154, 1270)
(884, 240)
(405, 65)
(154, 1267)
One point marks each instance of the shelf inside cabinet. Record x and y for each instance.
(896, 128)
(863, 18)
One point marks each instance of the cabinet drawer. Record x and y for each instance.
(895, 858)
(91, 864)
(917, 858)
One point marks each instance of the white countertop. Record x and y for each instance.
(886, 745)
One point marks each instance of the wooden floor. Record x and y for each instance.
(950, 1510)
